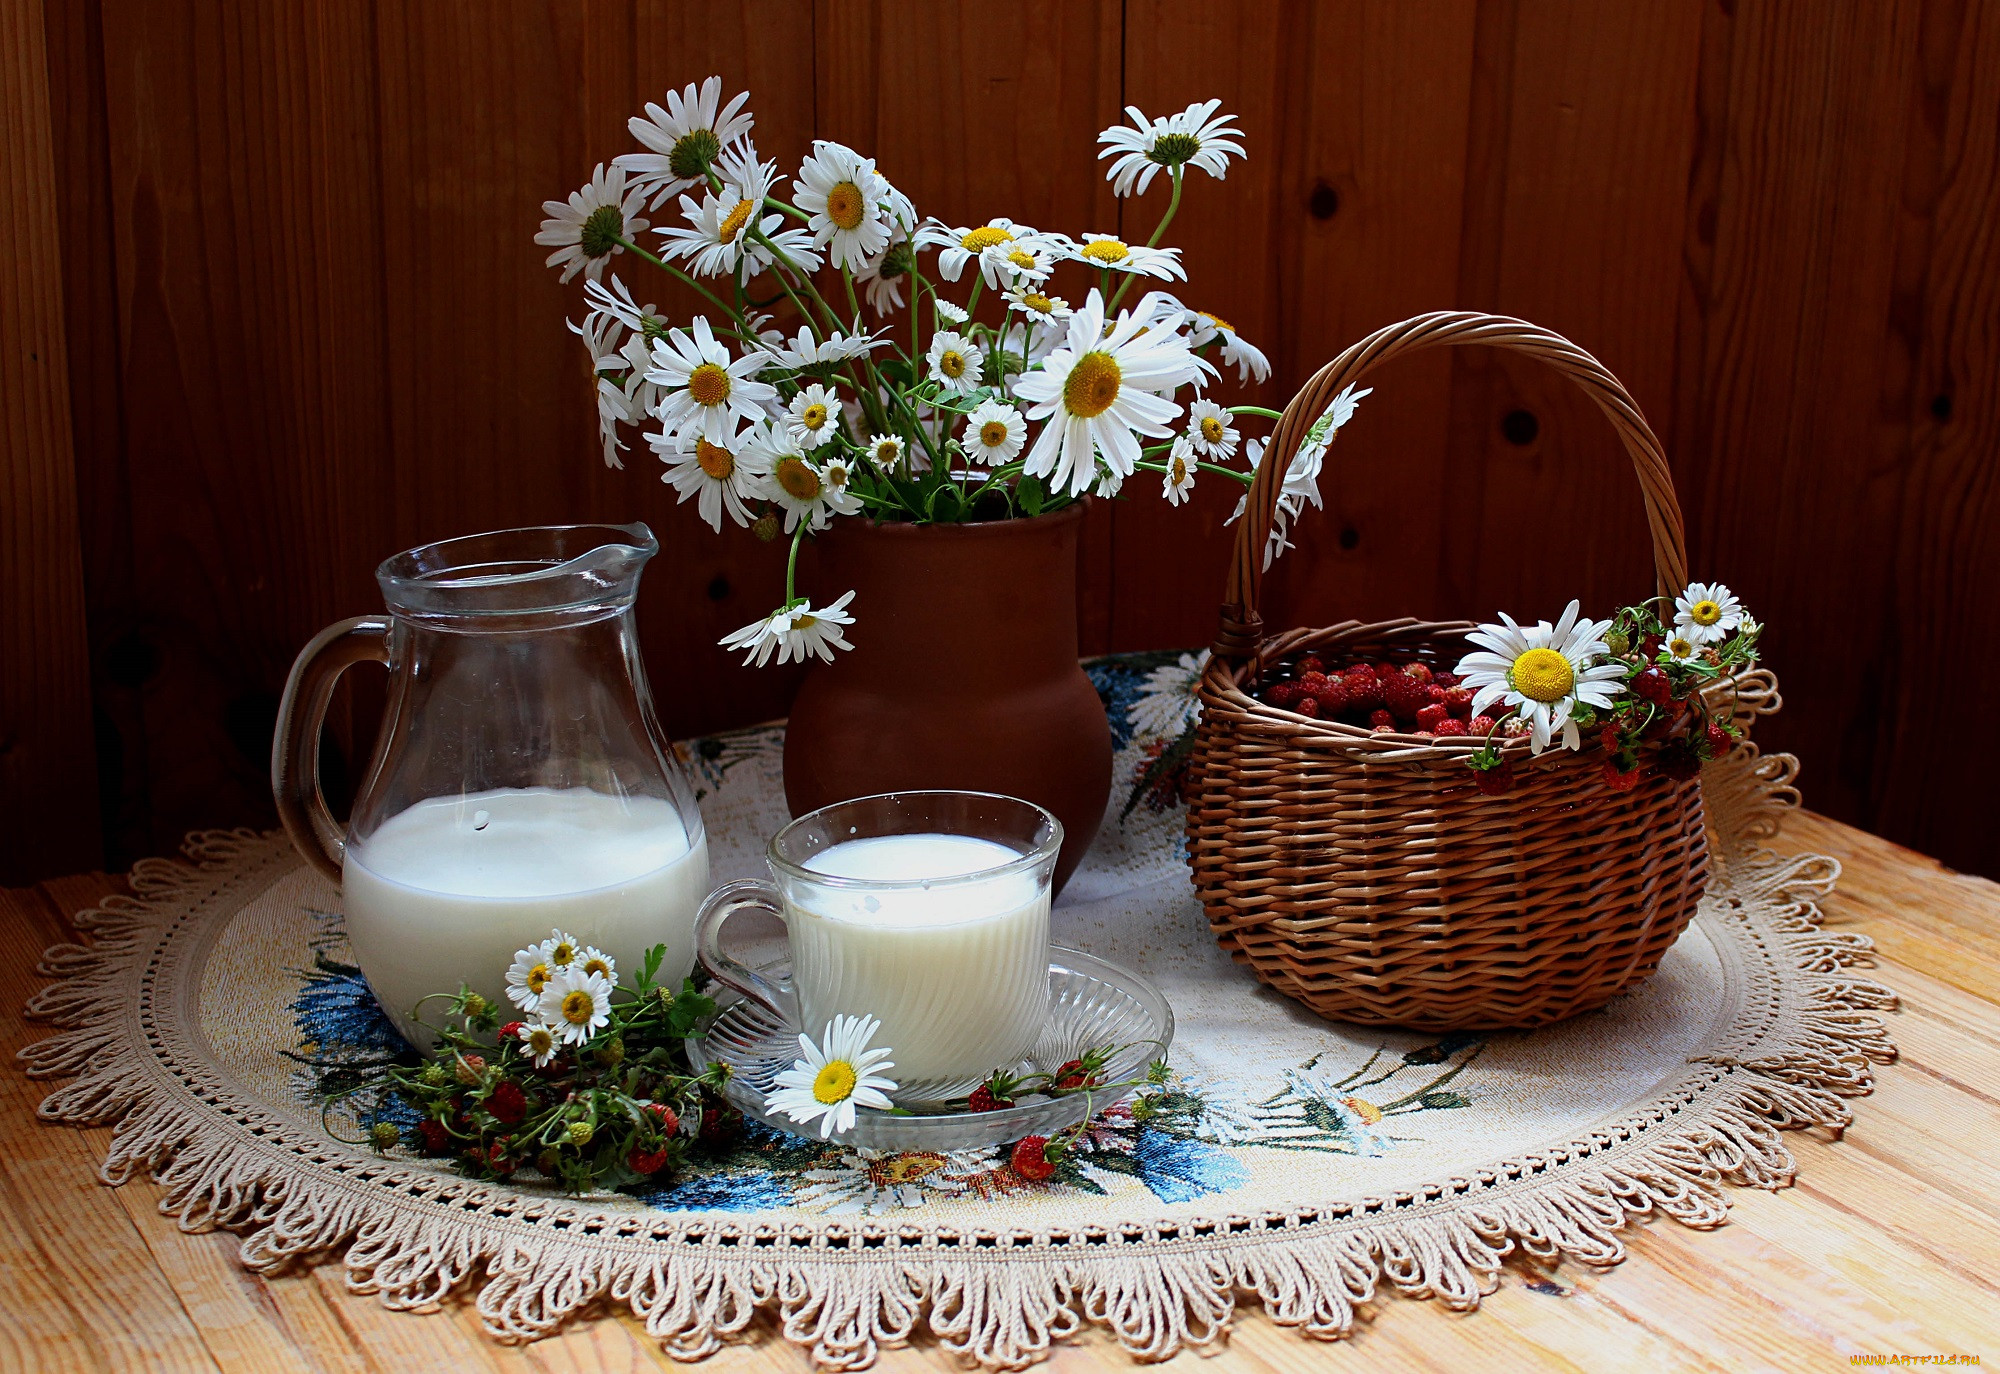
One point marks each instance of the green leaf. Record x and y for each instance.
(1440, 1101)
(1030, 494)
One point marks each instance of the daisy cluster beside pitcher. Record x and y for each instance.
(783, 405)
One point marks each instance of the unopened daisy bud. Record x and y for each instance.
(767, 526)
(580, 1133)
(470, 1068)
(383, 1135)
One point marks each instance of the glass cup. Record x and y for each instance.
(926, 910)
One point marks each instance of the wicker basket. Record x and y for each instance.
(1364, 874)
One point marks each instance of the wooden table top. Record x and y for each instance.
(1888, 1244)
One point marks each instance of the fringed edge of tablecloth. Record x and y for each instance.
(844, 1291)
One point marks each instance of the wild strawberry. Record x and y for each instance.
(508, 1103)
(1480, 726)
(436, 1139)
(1720, 742)
(1030, 1159)
(1387, 670)
(1429, 716)
(1363, 693)
(496, 1159)
(1679, 761)
(1381, 720)
(1359, 670)
(1458, 700)
(1650, 684)
(719, 1125)
(1420, 671)
(1311, 663)
(647, 1161)
(1404, 696)
(470, 1067)
(983, 1100)
(1384, 729)
(668, 1120)
(1079, 1074)
(1496, 781)
(1617, 780)
(1334, 699)
(1450, 726)
(509, 1031)
(1283, 694)
(1312, 684)
(1445, 679)
(1307, 706)
(1607, 738)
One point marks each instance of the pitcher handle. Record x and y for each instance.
(321, 840)
(724, 902)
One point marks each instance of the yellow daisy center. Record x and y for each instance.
(537, 979)
(1363, 1108)
(1036, 301)
(732, 223)
(1023, 259)
(715, 460)
(836, 475)
(562, 955)
(597, 966)
(540, 1040)
(1092, 385)
(1704, 613)
(951, 362)
(844, 205)
(1543, 675)
(709, 384)
(993, 433)
(798, 479)
(805, 622)
(1680, 647)
(1180, 470)
(1217, 321)
(835, 1083)
(984, 237)
(907, 1168)
(813, 417)
(1211, 428)
(1106, 251)
(888, 451)
(577, 1007)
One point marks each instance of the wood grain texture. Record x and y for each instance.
(307, 326)
(48, 779)
(1888, 1243)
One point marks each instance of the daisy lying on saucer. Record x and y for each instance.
(831, 1082)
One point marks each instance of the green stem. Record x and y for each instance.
(792, 565)
(1264, 411)
(1173, 207)
(676, 272)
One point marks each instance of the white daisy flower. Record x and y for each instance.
(1180, 471)
(684, 139)
(595, 960)
(561, 949)
(874, 1181)
(886, 450)
(806, 351)
(1030, 300)
(843, 197)
(958, 247)
(827, 1085)
(1289, 506)
(949, 313)
(1212, 430)
(1098, 392)
(760, 639)
(793, 632)
(1104, 250)
(792, 481)
(721, 223)
(994, 432)
(717, 477)
(585, 229)
(1542, 672)
(1248, 360)
(1025, 260)
(575, 1005)
(705, 390)
(1194, 137)
(813, 417)
(1301, 483)
(614, 410)
(883, 275)
(528, 975)
(539, 1041)
(836, 474)
(954, 363)
(615, 302)
(1169, 699)
(603, 337)
(1681, 646)
(1707, 612)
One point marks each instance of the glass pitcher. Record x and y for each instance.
(521, 783)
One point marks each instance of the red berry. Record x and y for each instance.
(1458, 700)
(1719, 742)
(1607, 736)
(983, 1100)
(647, 1161)
(1679, 761)
(1619, 781)
(1282, 694)
(436, 1139)
(1451, 725)
(1334, 699)
(1381, 720)
(1445, 679)
(1481, 726)
(1420, 671)
(1312, 683)
(1311, 663)
(719, 1125)
(1385, 729)
(1030, 1159)
(1404, 696)
(1307, 706)
(509, 1031)
(1496, 781)
(668, 1119)
(508, 1103)
(1651, 685)
(496, 1159)
(1429, 716)
(1387, 670)
(1364, 693)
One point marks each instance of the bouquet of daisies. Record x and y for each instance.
(968, 388)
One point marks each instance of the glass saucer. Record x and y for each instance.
(1092, 1003)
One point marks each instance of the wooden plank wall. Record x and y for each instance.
(307, 325)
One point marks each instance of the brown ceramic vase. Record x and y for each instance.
(964, 673)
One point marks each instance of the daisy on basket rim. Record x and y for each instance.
(704, 388)
(953, 362)
(587, 229)
(842, 195)
(828, 1084)
(994, 432)
(813, 417)
(717, 477)
(1707, 611)
(1212, 431)
(1180, 471)
(1107, 250)
(1680, 646)
(1098, 392)
(684, 139)
(1302, 477)
(1543, 672)
(1194, 137)
(576, 1005)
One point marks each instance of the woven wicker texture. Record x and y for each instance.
(1364, 874)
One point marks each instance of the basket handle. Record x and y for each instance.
(1243, 628)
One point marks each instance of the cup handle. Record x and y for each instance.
(321, 840)
(777, 997)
